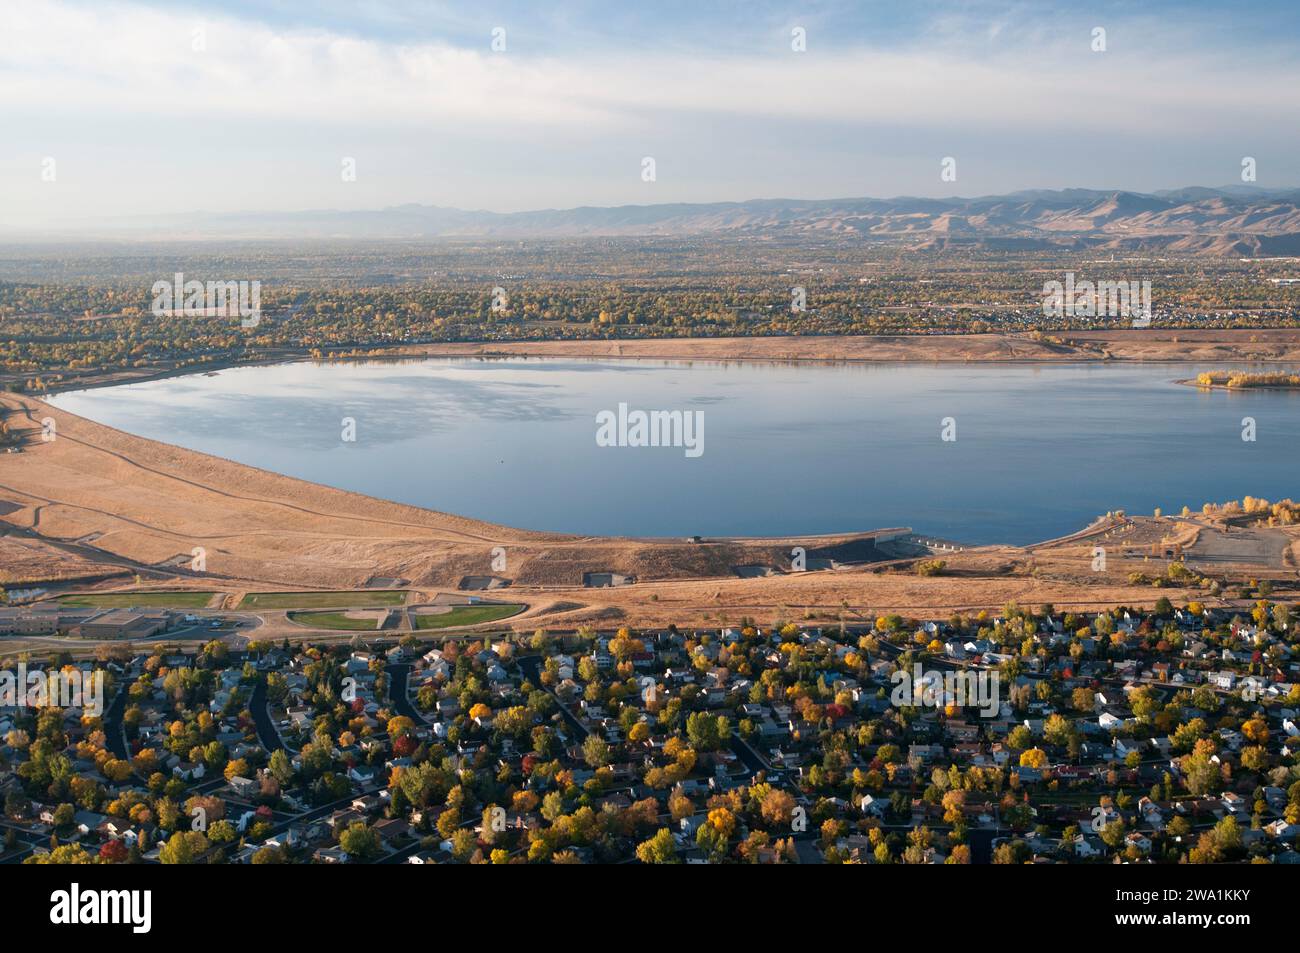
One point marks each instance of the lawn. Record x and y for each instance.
(350, 599)
(467, 615)
(332, 620)
(154, 600)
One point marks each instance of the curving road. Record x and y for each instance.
(397, 674)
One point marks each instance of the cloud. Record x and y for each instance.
(150, 108)
(132, 60)
(128, 60)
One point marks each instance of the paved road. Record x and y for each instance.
(266, 731)
(1263, 547)
(532, 666)
(397, 675)
(114, 737)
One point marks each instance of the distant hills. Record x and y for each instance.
(1232, 221)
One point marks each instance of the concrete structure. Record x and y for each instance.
(44, 619)
(124, 624)
(33, 620)
(86, 623)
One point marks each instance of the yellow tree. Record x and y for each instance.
(1033, 758)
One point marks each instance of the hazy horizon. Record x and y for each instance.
(1242, 189)
(231, 107)
(645, 219)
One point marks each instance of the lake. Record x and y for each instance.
(1039, 450)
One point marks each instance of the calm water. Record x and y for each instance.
(1040, 450)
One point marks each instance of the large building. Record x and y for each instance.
(123, 624)
(36, 620)
(83, 623)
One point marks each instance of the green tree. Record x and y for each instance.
(359, 841)
(595, 751)
(281, 768)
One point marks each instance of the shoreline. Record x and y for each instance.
(99, 498)
(405, 354)
(1157, 346)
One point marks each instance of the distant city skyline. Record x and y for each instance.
(150, 108)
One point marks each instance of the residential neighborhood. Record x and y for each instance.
(1156, 737)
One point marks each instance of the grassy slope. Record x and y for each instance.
(466, 615)
(356, 599)
(332, 620)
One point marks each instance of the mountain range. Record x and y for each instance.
(1233, 221)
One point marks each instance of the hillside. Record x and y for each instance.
(1219, 222)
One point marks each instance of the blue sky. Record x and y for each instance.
(569, 26)
(162, 107)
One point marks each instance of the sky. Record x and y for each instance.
(117, 109)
